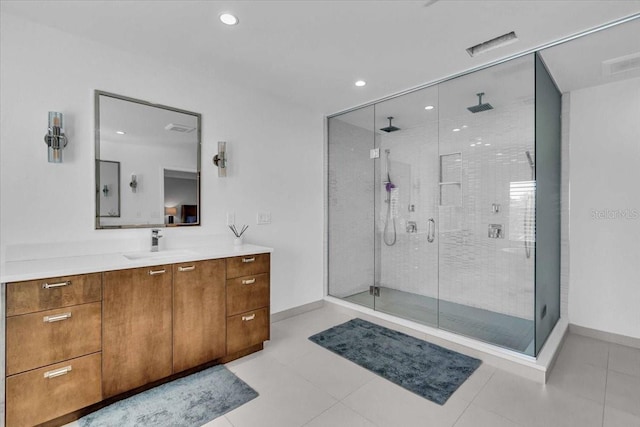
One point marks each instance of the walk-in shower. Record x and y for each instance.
(438, 221)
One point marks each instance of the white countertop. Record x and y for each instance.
(15, 271)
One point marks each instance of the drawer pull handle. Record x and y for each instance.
(56, 318)
(58, 372)
(247, 318)
(55, 285)
(252, 259)
(190, 268)
(154, 272)
(249, 281)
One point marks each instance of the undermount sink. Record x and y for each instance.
(135, 256)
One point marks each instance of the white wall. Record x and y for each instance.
(604, 287)
(275, 152)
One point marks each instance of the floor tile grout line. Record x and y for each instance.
(228, 420)
(357, 389)
(489, 410)
(485, 384)
(337, 402)
(461, 413)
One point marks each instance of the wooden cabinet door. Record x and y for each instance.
(199, 316)
(136, 319)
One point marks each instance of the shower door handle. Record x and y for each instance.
(431, 231)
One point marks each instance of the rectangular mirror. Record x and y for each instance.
(147, 164)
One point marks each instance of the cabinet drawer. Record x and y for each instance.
(56, 292)
(247, 265)
(37, 396)
(40, 339)
(247, 293)
(247, 329)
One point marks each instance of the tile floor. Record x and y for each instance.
(300, 383)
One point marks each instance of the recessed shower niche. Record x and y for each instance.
(456, 224)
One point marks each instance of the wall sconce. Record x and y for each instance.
(55, 138)
(105, 190)
(171, 212)
(134, 182)
(220, 159)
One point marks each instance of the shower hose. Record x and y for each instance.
(388, 236)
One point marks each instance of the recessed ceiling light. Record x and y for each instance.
(486, 145)
(360, 83)
(499, 154)
(464, 126)
(472, 145)
(429, 107)
(228, 19)
(458, 160)
(455, 130)
(120, 132)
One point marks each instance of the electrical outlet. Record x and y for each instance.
(231, 218)
(263, 218)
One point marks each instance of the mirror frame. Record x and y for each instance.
(198, 116)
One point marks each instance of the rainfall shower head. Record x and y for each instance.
(480, 107)
(390, 128)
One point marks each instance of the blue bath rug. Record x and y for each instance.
(426, 369)
(189, 401)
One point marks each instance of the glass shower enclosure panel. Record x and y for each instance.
(351, 200)
(486, 205)
(406, 206)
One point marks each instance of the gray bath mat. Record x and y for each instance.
(190, 402)
(426, 369)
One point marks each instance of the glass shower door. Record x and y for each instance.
(351, 242)
(487, 189)
(405, 206)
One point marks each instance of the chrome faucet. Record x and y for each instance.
(155, 235)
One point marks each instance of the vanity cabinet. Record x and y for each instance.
(53, 347)
(137, 329)
(72, 342)
(199, 319)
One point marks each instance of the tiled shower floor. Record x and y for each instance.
(500, 329)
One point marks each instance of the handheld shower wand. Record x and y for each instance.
(389, 236)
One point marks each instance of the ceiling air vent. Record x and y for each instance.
(622, 64)
(179, 128)
(495, 43)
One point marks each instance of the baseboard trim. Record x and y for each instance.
(605, 336)
(285, 314)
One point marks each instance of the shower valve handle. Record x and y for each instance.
(431, 231)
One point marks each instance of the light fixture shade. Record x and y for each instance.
(55, 138)
(173, 211)
(220, 159)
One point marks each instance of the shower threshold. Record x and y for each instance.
(503, 330)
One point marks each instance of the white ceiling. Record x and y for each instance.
(311, 52)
